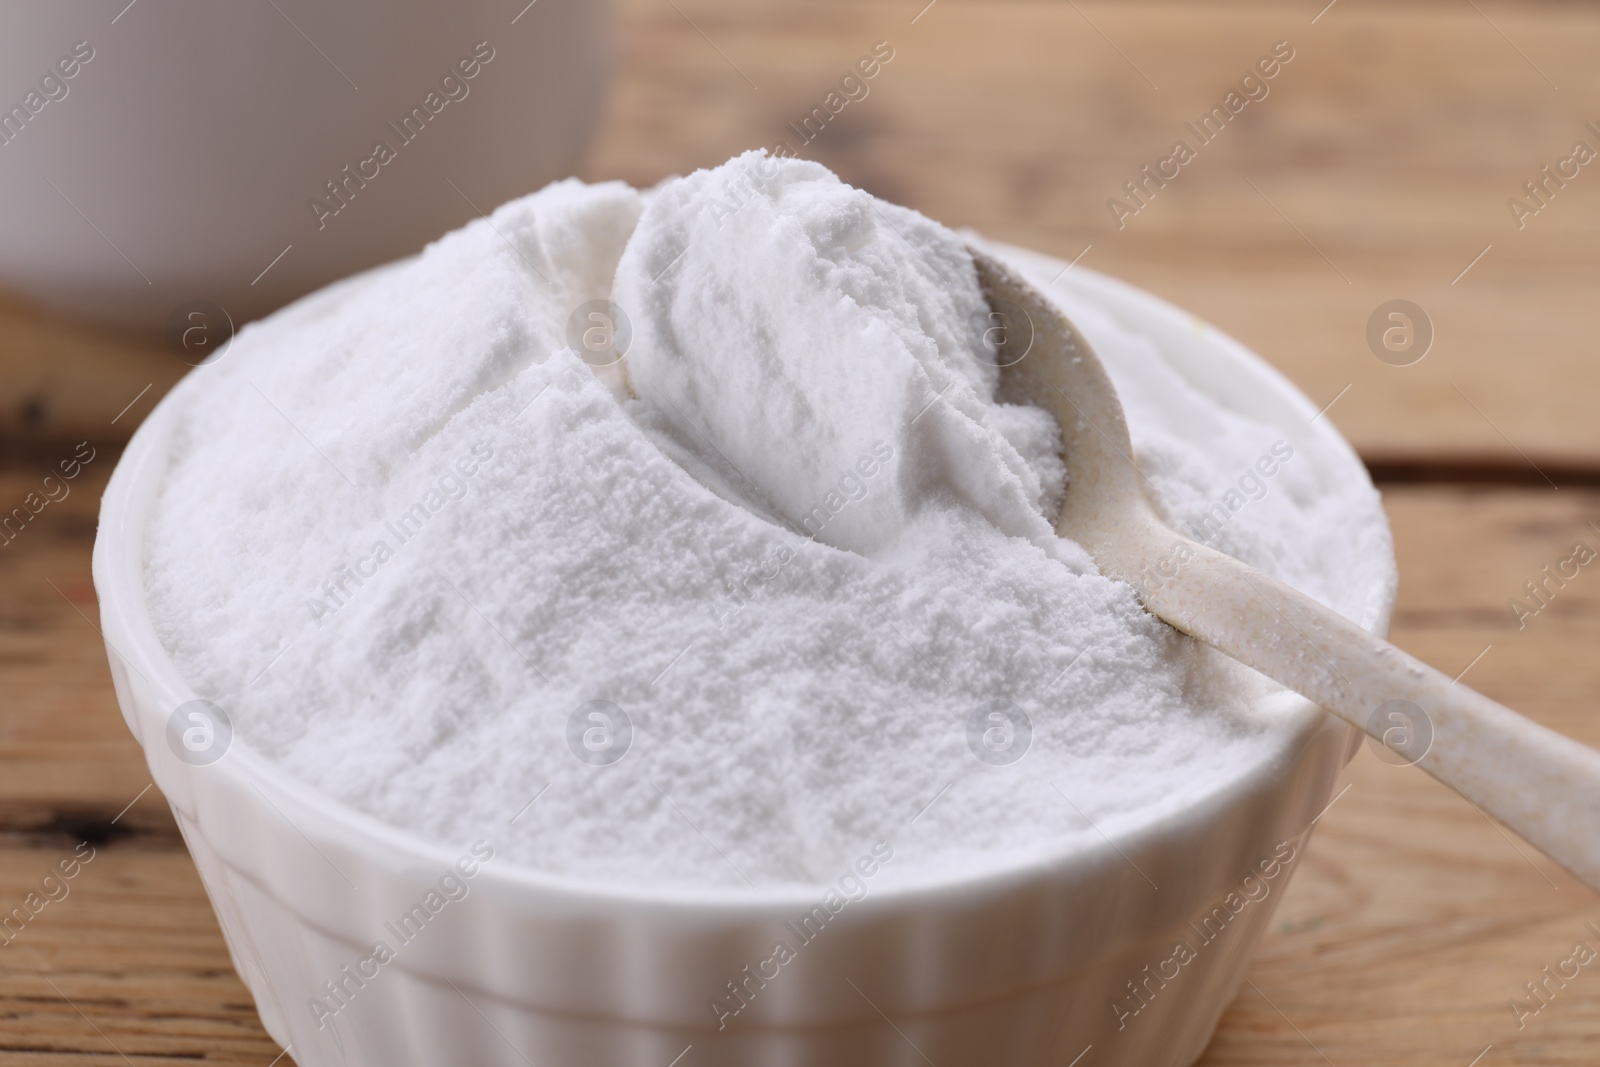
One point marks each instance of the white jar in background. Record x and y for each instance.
(243, 153)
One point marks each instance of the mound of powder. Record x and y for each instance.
(788, 337)
(779, 585)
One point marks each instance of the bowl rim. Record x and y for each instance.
(130, 635)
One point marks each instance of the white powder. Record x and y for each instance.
(408, 531)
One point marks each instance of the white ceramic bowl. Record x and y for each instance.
(181, 158)
(1020, 966)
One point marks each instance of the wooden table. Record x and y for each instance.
(1378, 167)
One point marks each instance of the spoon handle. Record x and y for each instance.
(1541, 784)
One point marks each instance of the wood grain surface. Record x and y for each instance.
(60, 381)
(1377, 167)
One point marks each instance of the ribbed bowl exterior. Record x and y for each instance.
(1072, 956)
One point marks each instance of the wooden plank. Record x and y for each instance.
(64, 382)
(61, 753)
(129, 963)
(1415, 919)
(1388, 146)
(1381, 159)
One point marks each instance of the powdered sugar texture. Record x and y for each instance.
(778, 584)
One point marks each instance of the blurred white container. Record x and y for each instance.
(179, 161)
(1015, 966)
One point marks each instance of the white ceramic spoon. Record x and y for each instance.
(1544, 786)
